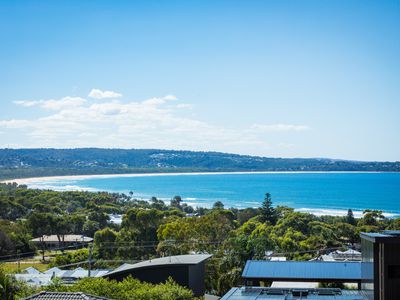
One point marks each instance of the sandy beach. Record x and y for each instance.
(50, 182)
(81, 177)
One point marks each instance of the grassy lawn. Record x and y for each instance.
(12, 267)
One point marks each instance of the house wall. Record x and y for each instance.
(390, 276)
(157, 274)
(197, 279)
(190, 276)
(368, 268)
(381, 270)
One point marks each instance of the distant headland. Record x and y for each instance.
(39, 162)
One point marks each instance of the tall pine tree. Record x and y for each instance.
(350, 217)
(268, 213)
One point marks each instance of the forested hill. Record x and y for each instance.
(44, 162)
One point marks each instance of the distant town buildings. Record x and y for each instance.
(348, 255)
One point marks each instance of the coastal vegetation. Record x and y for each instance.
(22, 163)
(154, 228)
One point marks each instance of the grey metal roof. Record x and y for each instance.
(31, 270)
(386, 236)
(259, 293)
(190, 259)
(36, 278)
(303, 270)
(63, 296)
(53, 270)
(67, 238)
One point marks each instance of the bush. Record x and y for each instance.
(128, 289)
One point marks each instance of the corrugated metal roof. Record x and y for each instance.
(67, 238)
(302, 270)
(38, 278)
(31, 270)
(258, 293)
(163, 261)
(35, 279)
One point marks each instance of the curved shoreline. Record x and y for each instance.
(46, 183)
(28, 180)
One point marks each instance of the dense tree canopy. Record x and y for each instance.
(153, 228)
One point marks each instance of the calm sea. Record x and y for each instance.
(319, 193)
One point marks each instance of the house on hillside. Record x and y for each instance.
(56, 242)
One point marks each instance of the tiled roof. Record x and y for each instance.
(63, 296)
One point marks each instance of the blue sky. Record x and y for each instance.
(271, 78)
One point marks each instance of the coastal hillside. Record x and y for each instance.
(17, 163)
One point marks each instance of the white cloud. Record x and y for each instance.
(53, 104)
(154, 101)
(99, 94)
(27, 103)
(15, 123)
(159, 101)
(184, 106)
(170, 97)
(279, 127)
(75, 122)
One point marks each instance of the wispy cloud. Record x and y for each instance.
(158, 101)
(149, 123)
(99, 94)
(16, 124)
(53, 104)
(280, 127)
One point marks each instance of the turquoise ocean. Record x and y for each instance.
(319, 193)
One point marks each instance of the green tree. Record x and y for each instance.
(394, 224)
(350, 218)
(90, 227)
(145, 222)
(268, 212)
(104, 241)
(218, 205)
(41, 223)
(176, 202)
(371, 218)
(6, 244)
(12, 289)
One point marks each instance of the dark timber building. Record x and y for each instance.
(186, 270)
(381, 265)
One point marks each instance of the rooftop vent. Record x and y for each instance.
(300, 293)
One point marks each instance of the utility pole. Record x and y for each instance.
(19, 261)
(42, 247)
(90, 258)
